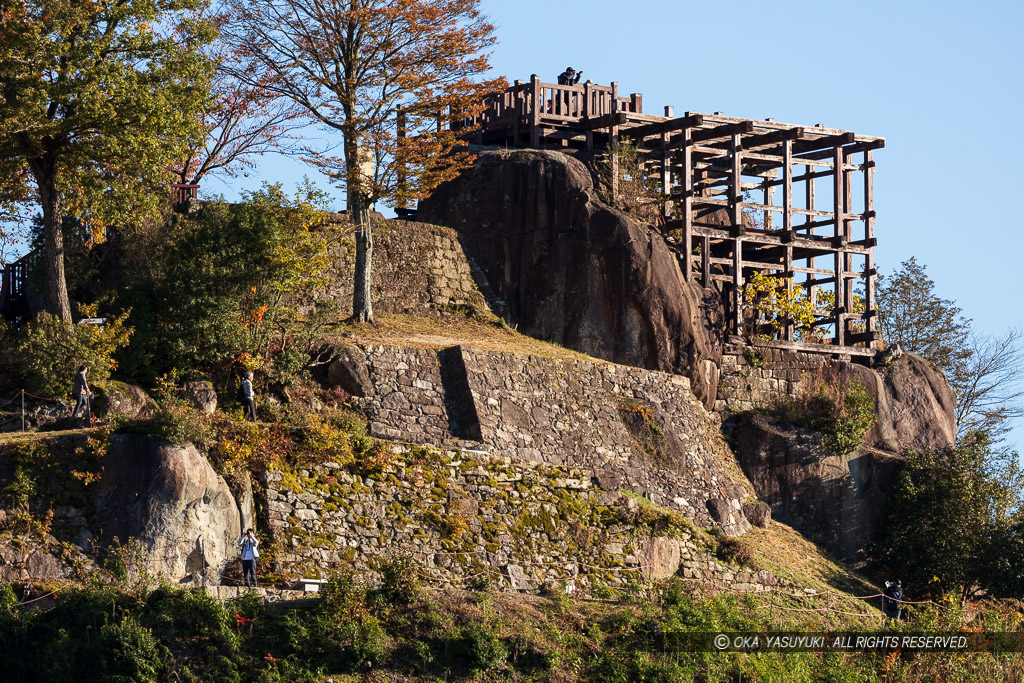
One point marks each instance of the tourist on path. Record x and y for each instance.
(893, 599)
(248, 397)
(80, 390)
(250, 552)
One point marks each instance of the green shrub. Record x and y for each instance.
(736, 550)
(399, 584)
(175, 422)
(369, 641)
(842, 410)
(484, 649)
(50, 350)
(130, 652)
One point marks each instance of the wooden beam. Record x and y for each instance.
(638, 133)
(853, 149)
(827, 142)
(819, 348)
(772, 138)
(732, 129)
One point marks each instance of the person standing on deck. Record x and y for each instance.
(569, 77)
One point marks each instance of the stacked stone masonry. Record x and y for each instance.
(760, 378)
(533, 409)
(464, 515)
(418, 269)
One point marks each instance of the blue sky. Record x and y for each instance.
(939, 80)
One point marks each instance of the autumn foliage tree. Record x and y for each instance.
(243, 121)
(95, 100)
(352, 66)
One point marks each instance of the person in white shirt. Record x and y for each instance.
(250, 552)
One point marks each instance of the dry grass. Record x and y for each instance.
(453, 330)
(23, 437)
(788, 555)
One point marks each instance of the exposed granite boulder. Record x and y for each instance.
(171, 500)
(914, 406)
(836, 501)
(758, 514)
(118, 398)
(201, 395)
(660, 557)
(346, 368)
(568, 268)
(728, 514)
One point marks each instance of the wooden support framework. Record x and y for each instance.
(709, 166)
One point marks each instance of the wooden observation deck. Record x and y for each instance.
(740, 196)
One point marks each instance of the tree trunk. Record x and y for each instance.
(56, 286)
(362, 303)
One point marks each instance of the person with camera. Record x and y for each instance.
(250, 553)
(569, 77)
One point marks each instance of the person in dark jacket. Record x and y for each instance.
(569, 77)
(80, 390)
(892, 601)
(248, 397)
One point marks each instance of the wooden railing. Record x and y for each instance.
(523, 106)
(184, 193)
(13, 288)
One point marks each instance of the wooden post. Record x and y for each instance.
(809, 204)
(838, 195)
(787, 222)
(705, 257)
(400, 178)
(848, 286)
(737, 284)
(736, 185)
(686, 185)
(666, 178)
(22, 410)
(869, 233)
(613, 142)
(538, 104)
(588, 112)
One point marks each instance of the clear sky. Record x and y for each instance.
(939, 80)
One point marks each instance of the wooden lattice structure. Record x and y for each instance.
(739, 196)
(14, 290)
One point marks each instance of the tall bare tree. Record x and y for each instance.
(243, 122)
(989, 384)
(352, 66)
(986, 373)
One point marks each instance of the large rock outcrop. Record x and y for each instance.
(838, 501)
(171, 500)
(914, 406)
(568, 268)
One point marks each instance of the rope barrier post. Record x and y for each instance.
(22, 410)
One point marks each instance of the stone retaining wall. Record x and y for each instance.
(761, 378)
(533, 409)
(462, 516)
(418, 269)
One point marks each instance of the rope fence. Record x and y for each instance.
(21, 413)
